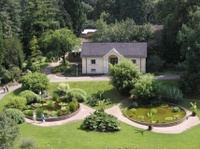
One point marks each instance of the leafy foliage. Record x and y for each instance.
(77, 93)
(30, 96)
(123, 76)
(146, 88)
(62, 88)
(17, 103)
(124, 31)
(171, 94)
(154, 63)
(189, 39)
(62, 67)
(9, 131)
(35, 82)
(15, 114)
(60, 41)
(100, 121)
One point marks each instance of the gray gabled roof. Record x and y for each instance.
(136, 49)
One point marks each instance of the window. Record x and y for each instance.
(93, 70)
(134, 61)
(93, 61)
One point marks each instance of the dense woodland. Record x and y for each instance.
(31, 29)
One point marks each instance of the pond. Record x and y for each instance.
(160, 115)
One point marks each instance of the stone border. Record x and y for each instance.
(162, 124)
(51, 119)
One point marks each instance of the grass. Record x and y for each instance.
(69, 136)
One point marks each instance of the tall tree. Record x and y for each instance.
(39, 16)
(75, 9)
(189, 38)
(2, 50)
(138, 10)
(180, 15)
(60, 42)
(10, 16)
(13, 53)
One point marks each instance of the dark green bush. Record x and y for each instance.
(171, 94)
(30, 96)
(28, 144)
(35, 82)
(39, 112)
(59, 112)
(100, 121)
(17, 103)
(154, 63)
(77, 93)
(15, 114)
(55, 97)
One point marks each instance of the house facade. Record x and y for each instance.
(97, 56)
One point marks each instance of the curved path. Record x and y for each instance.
(115, 110)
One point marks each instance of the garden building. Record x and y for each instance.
(97, 56)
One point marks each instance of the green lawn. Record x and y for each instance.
(69, 136)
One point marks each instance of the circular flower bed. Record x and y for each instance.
(160, 115)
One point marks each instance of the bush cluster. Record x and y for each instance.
(30, 96)
(100, 121)
(35, 82)
(17, 103)
(15, 114)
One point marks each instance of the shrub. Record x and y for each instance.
(77, 93)
(100, 121)
(55, 97)
(17, 103)
(146, 88)
(154, 63)
(35, 82)
(28, 112)
(62, 67)
(73, 105)
(59, 112)
(15, 114)
(176, 109)
(30, 96)
(171, 94)
(28, 144)
(62, 88)
(39, 112)
(123, 76)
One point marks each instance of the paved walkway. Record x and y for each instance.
(115, 110)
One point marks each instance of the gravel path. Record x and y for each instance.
(115, 110)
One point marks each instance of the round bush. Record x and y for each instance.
(28, 144)
(17, 103)
(100, 121)
(62, 88)
(15, 114)
(154, 63)
(35, 82)
(77, 93)
(30, 96)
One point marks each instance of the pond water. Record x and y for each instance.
(161, 114)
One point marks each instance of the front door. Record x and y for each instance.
(113, 61)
